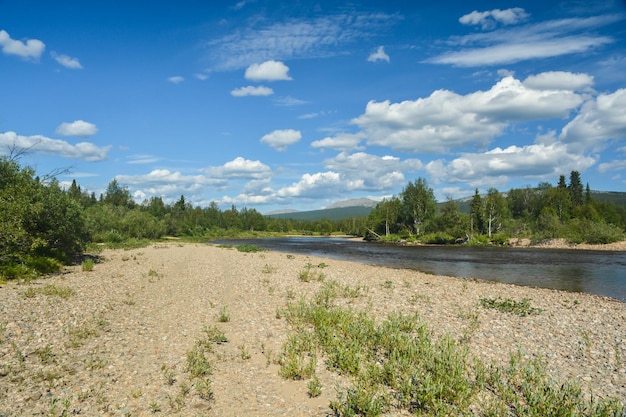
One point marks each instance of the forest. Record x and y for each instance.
(44, 226)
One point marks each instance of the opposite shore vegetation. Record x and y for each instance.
(43, 226)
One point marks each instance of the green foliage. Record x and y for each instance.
(585, 231)
(249, 248)
(395, 364)
(438, 239)
(87, 265)
(41, 226)
(49, 290)
(519, 308)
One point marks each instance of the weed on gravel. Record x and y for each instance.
(49, 290)
(396, 365)
(519, 308)
(309, 274)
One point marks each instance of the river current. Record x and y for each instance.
(595, 272)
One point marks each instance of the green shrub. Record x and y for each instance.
(246, 247)
(583, 231)
(519, 308)
(437, 239)
(87, 265)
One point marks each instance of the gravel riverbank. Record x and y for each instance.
(114, 341)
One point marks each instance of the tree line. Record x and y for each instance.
(43, 225)
(566, 210)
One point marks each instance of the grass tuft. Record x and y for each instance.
(49, 290)
(519, 308)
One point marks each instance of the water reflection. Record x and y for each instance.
(595, 272)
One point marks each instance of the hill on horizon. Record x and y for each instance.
(362, 207)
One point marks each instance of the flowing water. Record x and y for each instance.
(594, 272)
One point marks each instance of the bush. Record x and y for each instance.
(437, 239)
(594, 232)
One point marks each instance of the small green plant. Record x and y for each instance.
(224, 316)
(244, 353)
(308, 274)
(155, 407)
(215, 335)
(204, 388)
(314, 387)
(78, 335)
(49, 290)
(87, 265)
(168, 374)
(519, 308)
(45, 355)
(269, 269)
(246, 247)
(198, 364)
(388, 284)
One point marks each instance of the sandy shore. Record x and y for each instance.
(114, 341)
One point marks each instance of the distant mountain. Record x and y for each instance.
(355, 202)
(332, 214)
(286, 211)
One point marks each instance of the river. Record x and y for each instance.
(589, 271)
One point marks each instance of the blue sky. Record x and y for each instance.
(296, 105)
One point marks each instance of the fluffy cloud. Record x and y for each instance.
(78, 128)
(163, 182)
(379, 55)
(252, 91)
(43, 145)
(268, 71)
(66, 61)
(559, 80)
(373, 172)
(314, 185)
(537, 161)
(32, 48)
(445, 120)
(240, 168)
(599, 120)
(490, 19)
(281, 139)
(340, 142)
(530, 41)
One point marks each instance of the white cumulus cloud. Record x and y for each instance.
(445, 120)
(559, 80)
(31, 48)
(43, 145)
(598, 121)
(78, 128)
(66, 61)
(268, 71)
(341, 141)
(252, 91)
(281, 139)
(490, 19)
(240, 168)
(496, 166)
(379, 55)
(372, 172)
